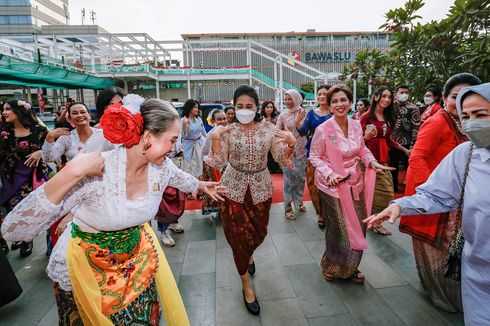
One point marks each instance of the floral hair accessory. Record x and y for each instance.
(133, 102)
(24, 104)
(120, 126)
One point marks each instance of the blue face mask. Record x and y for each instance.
(478, 130)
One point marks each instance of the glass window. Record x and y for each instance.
(14, 3)
(15, 20)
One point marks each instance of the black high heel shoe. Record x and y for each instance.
(251, 268)
(26, 248)
(254, 307)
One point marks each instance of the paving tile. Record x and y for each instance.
(396, 258)
(220, 236)
(176, 270)
(364, 304)
(291, 249)
(31, 306)
(266, 248)
(200, 257)
(271, 280)
(411, 306)
(32, 272)
(378, 274)
(402, 240)
(226, 272)
(199, 295)
(316, 249)
(51, 318)
(203, 228)
(314, 294)
(337, 320)
(230, 309)
(176, 254)
(308, 229)
(282, 312)
(278, 224)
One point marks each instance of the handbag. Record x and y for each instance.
(455, 251)
(172, 206)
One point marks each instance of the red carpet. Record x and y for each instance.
(277, 195)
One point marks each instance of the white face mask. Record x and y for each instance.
(478, 130)
(245, 116)
(428, 100)
(402, 97)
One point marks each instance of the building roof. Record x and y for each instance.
(292, 33)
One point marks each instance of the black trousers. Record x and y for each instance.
(397, 157)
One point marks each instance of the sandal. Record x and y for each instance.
(290, 214)
(302, 208)
(358, 277)
(328, 277)
(381, 230)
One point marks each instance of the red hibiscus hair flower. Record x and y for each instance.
(120, 126)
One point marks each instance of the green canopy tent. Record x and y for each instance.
(14, 71)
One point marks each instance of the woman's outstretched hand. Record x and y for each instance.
(390, 213)
(213, 190)
(380, 168)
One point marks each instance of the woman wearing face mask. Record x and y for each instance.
(70, 143)
(294, 177)
(431, 100)
(377, 125)
(242, 147)
(431, 234)
(313, 119)
(109, 255)
(461, 181)
(21, 164)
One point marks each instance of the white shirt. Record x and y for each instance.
(97, 204)
(70, 145)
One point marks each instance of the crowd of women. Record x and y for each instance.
(107, 265)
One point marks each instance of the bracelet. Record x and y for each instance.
(291, 146)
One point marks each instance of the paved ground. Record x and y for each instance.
(288, 282)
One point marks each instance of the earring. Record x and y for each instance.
(146, 147)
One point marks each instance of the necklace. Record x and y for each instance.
(455, 122)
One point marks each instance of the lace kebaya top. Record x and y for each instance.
(70, 145)
(97, 204)
(246, 152)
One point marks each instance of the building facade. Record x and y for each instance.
(327, 52)
(19, 17)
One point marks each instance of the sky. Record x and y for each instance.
(168, 19)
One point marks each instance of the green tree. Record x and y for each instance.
(428, 54)
(308, 88)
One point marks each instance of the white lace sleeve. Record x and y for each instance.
(52, 152)
(36, 213)
(180, 179)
